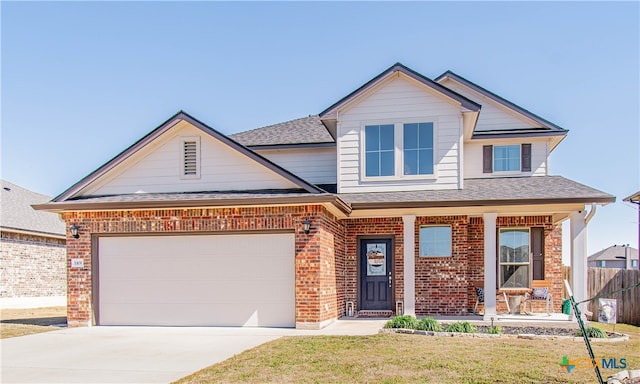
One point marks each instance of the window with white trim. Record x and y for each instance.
(379, 150)
(514, 258)
(435, 240)
(398, 150)
(190, 166)
(418, 148)
(506, 158)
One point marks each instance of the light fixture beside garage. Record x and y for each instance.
(74, 231)
(306, 226)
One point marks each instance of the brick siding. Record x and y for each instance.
(32, 266)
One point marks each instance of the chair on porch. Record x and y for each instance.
(540, 290)
(479, 289)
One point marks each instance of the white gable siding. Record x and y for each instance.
(473, 158)
(399, 100)
(157, 169)
(315, 165)
(493, 115)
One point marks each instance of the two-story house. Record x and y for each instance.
(401, 196)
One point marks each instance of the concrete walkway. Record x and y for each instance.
(139, 354)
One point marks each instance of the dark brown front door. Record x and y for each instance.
(375, 274)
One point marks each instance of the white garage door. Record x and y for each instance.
(218, 280)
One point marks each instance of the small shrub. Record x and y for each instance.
(429, 324)
(593, 333)
(406, 321)
(462, 327)
(494, 330)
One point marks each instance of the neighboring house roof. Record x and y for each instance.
(164, 127)
(306, 130)
(550, 128)
(397, 67)
(486, 192)
(18, 215)
(615, 252)
(635, 198)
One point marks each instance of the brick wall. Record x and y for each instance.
(318, 255)
(32, 266)
(384, 227)
(441, 282)
(552, 254)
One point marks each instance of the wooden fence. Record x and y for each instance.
(601, 281)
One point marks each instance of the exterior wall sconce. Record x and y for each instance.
(74, 231)
(306, 226)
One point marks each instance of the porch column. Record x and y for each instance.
(490, 259)
(578, 229)
(409, 241)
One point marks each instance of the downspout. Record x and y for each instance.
(590, 214)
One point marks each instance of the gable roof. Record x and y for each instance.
(635, 198)
(398, 67)
(18, 215)
(306, 130)
(549, 127)
(164, 127)
(614, 252)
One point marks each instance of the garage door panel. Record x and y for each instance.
(230, 280)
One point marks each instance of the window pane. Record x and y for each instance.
(435, 241)
(387, 163)
(372, 138)
(410, 162)
(426, 135)
(372, 161)
(425, 162)
(410, 136)
(506, 158)
(514, 276)
(514, 246)
(386, 137)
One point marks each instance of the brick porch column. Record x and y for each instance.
(490, 260)
(409, 239)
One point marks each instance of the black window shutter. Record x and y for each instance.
(526, 157)
(487, 159)
(537, 250)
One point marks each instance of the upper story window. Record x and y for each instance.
(397, 150)
(379, 150)
(506, 158)
(418, 148)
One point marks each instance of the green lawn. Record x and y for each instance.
(396, 358)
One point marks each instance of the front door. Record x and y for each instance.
(376, 274)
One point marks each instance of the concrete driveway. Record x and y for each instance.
(139, 354)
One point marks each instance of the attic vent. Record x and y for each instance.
(190, 158)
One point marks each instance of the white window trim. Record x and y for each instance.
(183, 140)
(433, 226)
(506, 173)
(500, 264)
(398, 138)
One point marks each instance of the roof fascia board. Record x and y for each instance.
(164, 127)
(32, 233)
(480, 203)
(508, 134)
(193, 203)
(291, 146)
(504, 102)
(465, 102)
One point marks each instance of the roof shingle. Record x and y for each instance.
(306, 130)
(17, 213)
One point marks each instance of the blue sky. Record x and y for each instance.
(81, 81)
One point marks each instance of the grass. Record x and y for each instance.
(20, 322)
(399, 358)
